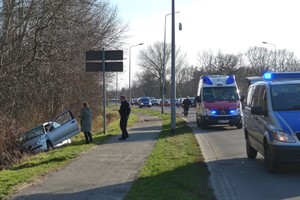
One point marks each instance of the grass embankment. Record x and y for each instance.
(35, 166)
(175, 169)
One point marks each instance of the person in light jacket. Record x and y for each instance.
(86, 122)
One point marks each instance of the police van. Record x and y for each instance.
(218, 102)
(272, 119)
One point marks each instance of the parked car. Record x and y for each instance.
(166, 102)
(134, 101)
(144, 102)
(154, 102)
(50, 134)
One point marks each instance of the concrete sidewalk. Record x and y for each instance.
(106, 172)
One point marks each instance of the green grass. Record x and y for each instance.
(35, 166)
(175, 169)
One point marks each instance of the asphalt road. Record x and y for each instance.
(233, 175)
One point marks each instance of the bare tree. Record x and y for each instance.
(259, 59)
(42, 48)
(151, 60)
(219, 63)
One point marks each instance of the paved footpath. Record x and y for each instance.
(106, 172)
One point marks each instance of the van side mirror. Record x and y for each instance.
(197, 99)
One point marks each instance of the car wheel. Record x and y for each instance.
(49, 145)
(239, 126)
(251, 152)
(270, 165)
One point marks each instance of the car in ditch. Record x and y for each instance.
(49, 135)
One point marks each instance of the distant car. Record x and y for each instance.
(193, 103)
(50, 134)
(166, 102)
(154, 102)
(144, 102)
(134, 101)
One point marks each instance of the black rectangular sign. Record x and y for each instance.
(109, 66)
(109, 55)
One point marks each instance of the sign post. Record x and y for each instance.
(101, 61)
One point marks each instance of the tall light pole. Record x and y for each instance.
(130, 68)
(173, 74)
(164, 66)
(274, 55)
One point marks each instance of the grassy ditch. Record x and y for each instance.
(36, 166)
(175, 169)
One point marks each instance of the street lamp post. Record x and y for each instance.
(275, 60)
(164, 66)
(130, 68)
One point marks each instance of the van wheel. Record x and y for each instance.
(251, 152)
(49, 145)
(270, 165)
(239, 126)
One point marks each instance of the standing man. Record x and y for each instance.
(86, 122)
(124, 115)
(186, 106)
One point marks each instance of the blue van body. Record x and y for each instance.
(272, 119)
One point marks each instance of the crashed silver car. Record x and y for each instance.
(50, 134)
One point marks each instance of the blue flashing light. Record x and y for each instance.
(207, 80)
(231, 111)
(230, 79)
(268, 76)
(213, 112)
(281, 76)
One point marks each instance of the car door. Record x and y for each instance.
(63, 127)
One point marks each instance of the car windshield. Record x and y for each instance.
(37, 131)
(220, 94)
(144, 99)
(285, 97)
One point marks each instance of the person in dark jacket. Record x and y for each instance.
(186, 106)
(86, 122)
(124, 115)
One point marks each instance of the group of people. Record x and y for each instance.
(124, 111)
(86, 120)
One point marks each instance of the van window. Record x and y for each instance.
(263, 98)
(220, 94)
(255, 96)
(249, 97)
(285, 97)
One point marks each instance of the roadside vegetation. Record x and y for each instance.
(33, 167)
(175, 169)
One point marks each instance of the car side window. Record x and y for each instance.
(62, 119)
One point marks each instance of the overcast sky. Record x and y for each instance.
(231, 26)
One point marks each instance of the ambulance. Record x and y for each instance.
(218, 102)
